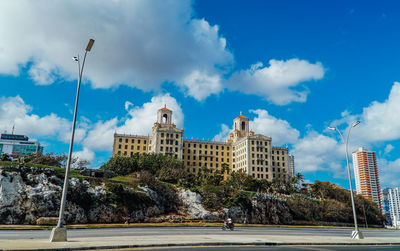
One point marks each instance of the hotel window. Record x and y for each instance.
(176, 143)
(119, 146)
(188, 163)
(131, 147)
(162, 141)
(138, 141)
(138, 148)
(194, 170)
(125, 153)
(176, 149)
(162, 135)
(161, 148)
(144, 148)
(216, 165)
(194, 157)
(194, 145)
(216, 147)
(227, 148)
(119, 152)
(176, 135)
(126, 146)
(205, 146)
(222, 147)
(133, 141)
(120, 139)
(252, 168)
(126, 140)
(222, 159)
(144, 142)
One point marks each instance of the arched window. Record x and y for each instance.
(165, 118)
(243, 126)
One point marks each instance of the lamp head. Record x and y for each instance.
(75, 58)
(356, 123)
(90, 44)
(331, 128)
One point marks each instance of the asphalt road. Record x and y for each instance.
(280, 248)
(156, 231)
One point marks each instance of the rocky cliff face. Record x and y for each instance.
(27, 194)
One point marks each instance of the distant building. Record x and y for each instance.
(244, 150)
(366, 175)
(291, 165)
(386, 205)
(391, 205)
(18, 145)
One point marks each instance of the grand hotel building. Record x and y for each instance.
(244, 150)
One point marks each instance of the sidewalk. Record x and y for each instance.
(187, 240)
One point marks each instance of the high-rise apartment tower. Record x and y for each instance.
(366, 175)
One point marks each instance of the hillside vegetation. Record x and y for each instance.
(154, 188)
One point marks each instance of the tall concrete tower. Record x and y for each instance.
(166, 138)
(164, 115)
(366, 175)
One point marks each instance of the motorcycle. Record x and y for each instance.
(228, 225)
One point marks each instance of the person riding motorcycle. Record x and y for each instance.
(228, 224)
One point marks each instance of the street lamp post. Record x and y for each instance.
(59, 233)
(356, 234)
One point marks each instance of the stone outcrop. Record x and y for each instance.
(26, 194)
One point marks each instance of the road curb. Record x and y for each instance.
(124, 246)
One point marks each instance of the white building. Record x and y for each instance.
(18, 145)
(391, 205)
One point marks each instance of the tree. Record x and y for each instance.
(49, 159)
(5, 157)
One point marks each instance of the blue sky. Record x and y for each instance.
(292, 67)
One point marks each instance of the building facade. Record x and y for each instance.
(18, 145)
(391, 205)
(366, 175)
(244, 150)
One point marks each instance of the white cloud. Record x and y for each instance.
(140, 43)
(388, 148)
(224, 134)
(380, 121)
(200, 85)
(100, 137)
(317, 152)
(277, 82)
(14, 112)
(389, 172)
(280, 130)
(85, 154)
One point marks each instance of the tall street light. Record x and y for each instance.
(59, 233)
(356, 234)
